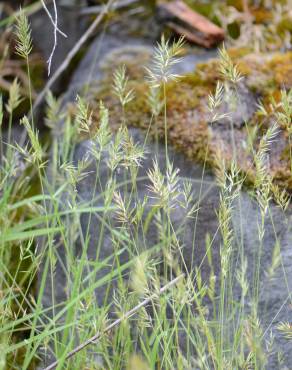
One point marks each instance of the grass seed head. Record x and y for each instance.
(14, 97)
(120, 86)
(165, 57)
(23, 36)
(228, 70)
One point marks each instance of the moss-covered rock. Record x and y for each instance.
(189, 122)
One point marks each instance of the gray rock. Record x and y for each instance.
(238, 108)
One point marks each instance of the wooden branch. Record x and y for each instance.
(195, 27)
(98, 8)
(118, 321)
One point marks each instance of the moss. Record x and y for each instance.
(266, 74)
(188, 93)
(261, 15)
(285, 25)
(236, 53)
(281, 67)
(238, 4)
(282, 177)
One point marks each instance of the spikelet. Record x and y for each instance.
(23, 36)
(120, 86)
(228, 70)
(14, 97)
(36, 151)
(165, 57)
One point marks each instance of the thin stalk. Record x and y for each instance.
(290, 153)
(9, 134)
(30, 91)
(165, 123)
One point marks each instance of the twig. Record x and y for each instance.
(71, 54)
(117, 322)
(55, 37)
(51, 18)
(98, 8)
(56, 30)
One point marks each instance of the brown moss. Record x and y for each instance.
(282, 177)
(209, 72)
(236, 53)
(281, 67)
(285, 24)
(238, 4)
(261, 15)
(266, 74)
(187, 94)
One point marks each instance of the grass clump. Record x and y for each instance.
(86, 264)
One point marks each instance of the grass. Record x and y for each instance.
(43, 219)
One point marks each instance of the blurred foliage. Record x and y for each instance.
(12, 66)
(263, 25)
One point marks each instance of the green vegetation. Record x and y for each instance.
(197, 322)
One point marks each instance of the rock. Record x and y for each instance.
(237, 109)
(274, 293)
